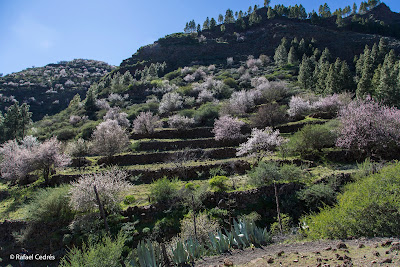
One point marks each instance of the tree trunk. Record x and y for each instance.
(102, 213)
(194, 218)
(278, 211)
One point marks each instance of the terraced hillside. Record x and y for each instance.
(234, 151)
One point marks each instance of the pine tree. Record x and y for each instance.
(334, 80)
(305, 77)
(376, 78)
(339, 21)
(90, 103)
(206, 24)
(270, 13)
(382, 48)
(302, 12)
(267, 3)
(346, 77)
(240, 24)
(324, 11)
(213, 24)
(220, 19)
(254, 18)
(11, 121)
(364, 86)
(354, 11)
(375, 55)
(363, 8)
(302, 47)
(386, 90)
(292, 56)
(281, 55)
(320, 74)
(25, 120)
(229, 17)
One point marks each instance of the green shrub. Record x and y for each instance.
(251, 217)
(49, 205)
(173, 74)
(87, 130)
(104, 253)
(218, 183)
(187, 113)
(129, 200)
(191, 186)
(164, 189)
(316, 196)
(206, 114)
(217, 171)
(220, 215)
(292, 173)
(185, 90)
(311, 139)
(369, 207)
(286, 225)
(231, 83)
(65, 134)
(264, 173)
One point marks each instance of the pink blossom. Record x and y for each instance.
(227, 128)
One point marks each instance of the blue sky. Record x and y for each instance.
(38, 32)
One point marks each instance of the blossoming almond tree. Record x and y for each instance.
(227, 128)
(369, 128)
(260, 143)
(103, 191)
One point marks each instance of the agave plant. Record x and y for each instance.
(149, 255)
(220, 243)
(187, 251)
(179, 254)
(247, 233)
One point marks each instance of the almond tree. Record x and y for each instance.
(15, 161)
(369, 128)
(48, 156)
(19, 160)
(227, 128)
(145, 123)
(103, 191)
(109, 138)
(260, 143)
(116, 114)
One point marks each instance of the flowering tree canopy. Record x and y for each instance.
(116, 114)
(19, 160)
(110, 185)
(260, 143)
(146, 122)
(227, 128)
(369, 128)
(109, 138)
(180, 122)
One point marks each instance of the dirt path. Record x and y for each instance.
(358, 252)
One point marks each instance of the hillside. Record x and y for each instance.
(205, 143)
(49, 89)
(179, 50)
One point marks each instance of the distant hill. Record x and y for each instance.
(211, 47)
(49, 89)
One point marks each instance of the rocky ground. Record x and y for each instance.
(356, 252)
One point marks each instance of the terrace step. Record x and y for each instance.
(193, 133)
(159, 157)
(156, 145)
